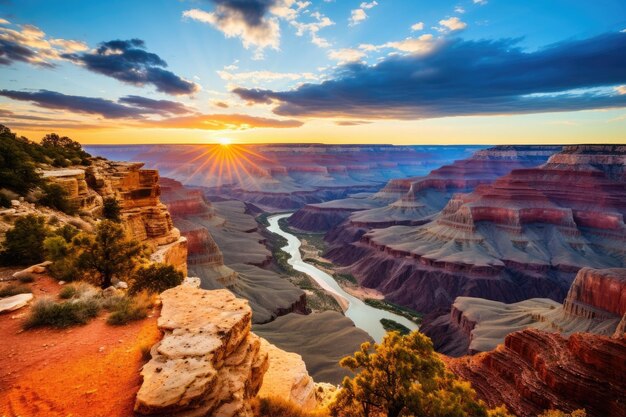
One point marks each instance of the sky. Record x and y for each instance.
(331, 71)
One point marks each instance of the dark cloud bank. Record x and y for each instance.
(129, 62)
(462, 77)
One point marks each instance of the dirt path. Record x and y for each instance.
(90, 370)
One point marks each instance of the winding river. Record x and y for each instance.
(363, 315)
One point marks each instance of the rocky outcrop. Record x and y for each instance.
(14, 302)
(597, 294)
(287, 378)
(73, 181)
(535, 370)
(594, 304)
(523, 236)
(208, 362)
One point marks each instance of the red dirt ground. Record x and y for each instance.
(90, 370)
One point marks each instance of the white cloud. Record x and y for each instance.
(359, 15)
(264, 76)
(420, 45)
(346, 55)
(417, 26)
(452, 24)
(4, 22)
(459, 10)
(621, 89)
(481, 2)
(313, 28)
(265, 34)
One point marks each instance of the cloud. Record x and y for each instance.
(452, 24)
(129, 62)
(257, 77)
(346, 55)
(255, 22)
(420, 45)
(76, 104)
(481, 2)
(156, 106)
(459, 77)
(313, 28)
(352, 122)
(359, 15)
(621, 89)
(222, 122)
(417, 26)
(459, 10)
(28, 43)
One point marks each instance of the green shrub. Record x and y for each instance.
(14, 289)
(24, 242)
(55, 196)
(67, 292)
(61, 315)
(155, 278)
(129, 309)
(111, 209)
(391, 325)
(108, 254)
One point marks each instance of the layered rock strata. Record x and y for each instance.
(523, 236)
(534, 371)
(595, 303)
(137, 191)
(208, 362)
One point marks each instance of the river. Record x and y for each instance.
(364, 316)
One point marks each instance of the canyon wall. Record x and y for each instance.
(523, 236)
(137, 191)
(534, 370)
(413, 200)
(595, 304)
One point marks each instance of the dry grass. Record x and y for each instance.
(279, 407)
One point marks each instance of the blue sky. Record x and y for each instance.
(330, 44)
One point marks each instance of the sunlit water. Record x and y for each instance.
(363, 315)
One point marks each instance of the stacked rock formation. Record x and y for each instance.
(142, 212)
(208, 362)
(595, 303)
(535, 370)
(73, 181)
(523, 236)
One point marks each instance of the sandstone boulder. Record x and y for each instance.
(14, 302)
(208, 362)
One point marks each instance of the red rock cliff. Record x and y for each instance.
(534, 371)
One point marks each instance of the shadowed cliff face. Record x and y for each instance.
(523, 236)
(536, 370)
(412, 201)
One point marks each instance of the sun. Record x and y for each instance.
(224, 141)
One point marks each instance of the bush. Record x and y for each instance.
(280, 407)
(155, 278)
(14, 289)
(129, 309)
(61, 315)
(24, 242)
(111, 209)
(67, 292)
(63, 259)
(55, 196)
(392, 325)
(109, 254)
(404, 376)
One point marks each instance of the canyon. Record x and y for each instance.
(595, 303)
(413, 200)
(523, 236)
(279, 177)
